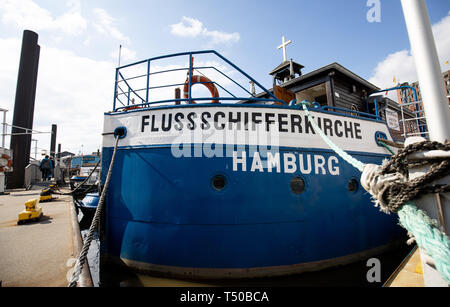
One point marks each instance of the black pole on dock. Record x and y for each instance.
(24, 109)
(58, 156)
(53, 142)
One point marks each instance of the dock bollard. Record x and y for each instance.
(32, 212)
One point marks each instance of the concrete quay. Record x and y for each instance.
(39, 254)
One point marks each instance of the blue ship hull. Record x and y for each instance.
(195, 193)
(163, 215)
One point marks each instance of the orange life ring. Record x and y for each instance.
(206, 82)
(8, 164)
(131, 108)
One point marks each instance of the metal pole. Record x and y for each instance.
(403, 121)
(437, 113)
(35, 148)
(148, 81)
(4, 127)
(53, 141)
(120, 54)
(59, 154)
(115, 89)
(191, 64)
(24, 108)
(428, 69)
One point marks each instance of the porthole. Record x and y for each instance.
(219, 182)
(353, 185)
(297, 185)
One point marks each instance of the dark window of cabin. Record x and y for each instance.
(322, 100)
(316, 93)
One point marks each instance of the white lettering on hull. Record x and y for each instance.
(215, 130)
(306, 164)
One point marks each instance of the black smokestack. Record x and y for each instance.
(24, 108)
(53, 142)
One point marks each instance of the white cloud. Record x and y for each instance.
(401, 64)
(105, 25)
(191, 27)
(441, 32)
(126, 54)
(27, 14)
(72, 92)
(187, 27)
(221, 37)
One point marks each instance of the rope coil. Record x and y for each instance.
(392, 190)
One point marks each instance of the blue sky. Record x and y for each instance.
(80, 36)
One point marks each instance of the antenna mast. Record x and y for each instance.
(120, 53)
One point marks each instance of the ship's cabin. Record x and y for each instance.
(334, 88)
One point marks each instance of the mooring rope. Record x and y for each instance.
(87, 243)
(81, 184)
(428, 237)
(386, 146)
(357, 164)
(392, 190)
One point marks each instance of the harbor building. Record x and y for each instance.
(407, 96)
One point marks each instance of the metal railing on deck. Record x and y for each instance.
(352, 112)
(135, 83)
(418, 126)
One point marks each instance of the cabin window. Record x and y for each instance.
(316, 93)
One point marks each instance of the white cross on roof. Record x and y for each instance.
(283, 45)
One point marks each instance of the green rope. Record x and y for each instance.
(387, 147)
(357, 164)
(428, 237)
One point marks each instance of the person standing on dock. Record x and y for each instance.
(45, 167)
(52, 168)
